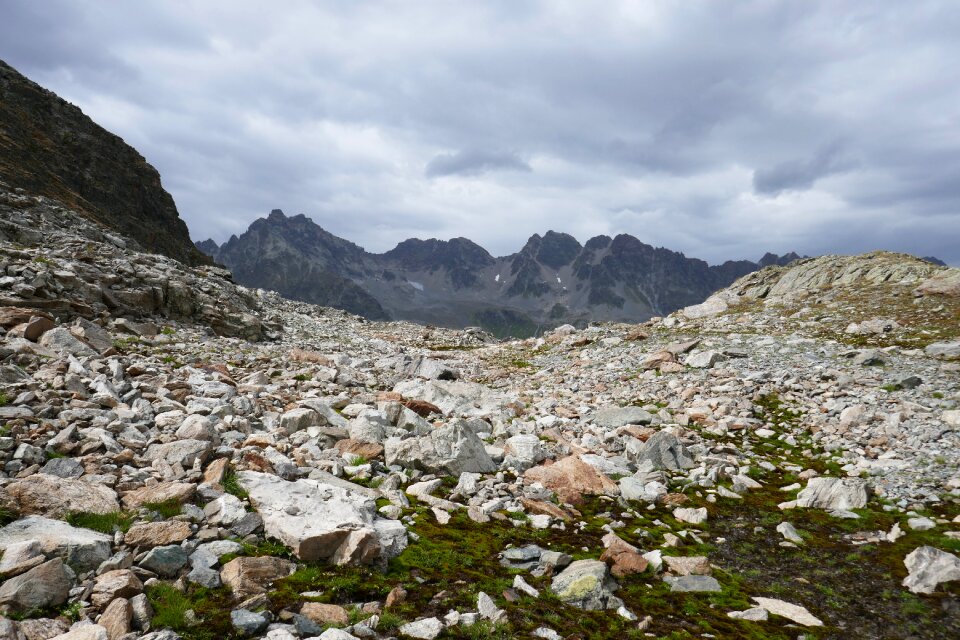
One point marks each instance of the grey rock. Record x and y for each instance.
(20, 557)
(166, 561)
(704, 359)
(63, 468)
(299, 419)
(247, 622)
(80, 548)
(183, 452)
(338, 634)
(522, 452)
(755, 614)
(790, 611)
(205, 577)
(335, 522)
(789, 532)
(370, 426)
(47, 585)
(65, 343)
(665, 451)
(615, 417)
(693, 583)
(452, 448)
(944, 350)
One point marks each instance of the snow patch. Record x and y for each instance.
(497, 279)
(415, 285)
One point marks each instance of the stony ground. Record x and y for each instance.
(780, 462)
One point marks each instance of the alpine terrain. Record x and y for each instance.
(183, 457)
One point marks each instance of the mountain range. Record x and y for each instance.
(552, 280)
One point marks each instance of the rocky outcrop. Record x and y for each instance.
(64, 266)
(49, 147)
(808, 276)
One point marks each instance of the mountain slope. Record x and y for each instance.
(49, 147)
(552, 280)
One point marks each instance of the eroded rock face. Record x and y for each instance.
(322, 521)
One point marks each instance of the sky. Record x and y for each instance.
(720, 129)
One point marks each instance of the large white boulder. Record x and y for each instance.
(326, 521)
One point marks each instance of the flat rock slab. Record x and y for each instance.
(688, 565)
(80, 548)
(323, 521)
(614, 417)
(155, 534)
(183, 452)
(56, 497)
(790, 611)
(693, 584)
(179, 491)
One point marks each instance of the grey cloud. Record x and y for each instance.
(474, 162)
(800, 174)
(689, 113)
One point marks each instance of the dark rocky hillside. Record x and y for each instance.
(49, 147)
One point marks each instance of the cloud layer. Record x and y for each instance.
(720, 129)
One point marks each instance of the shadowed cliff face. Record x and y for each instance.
(552, 280)
(49, 147)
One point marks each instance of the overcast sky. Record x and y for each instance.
(720, 129)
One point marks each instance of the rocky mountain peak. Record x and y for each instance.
(558, 249)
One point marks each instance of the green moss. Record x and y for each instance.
(210, 609)
(102, 522)
(231, 485)
(166, 509)
(4, 399)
